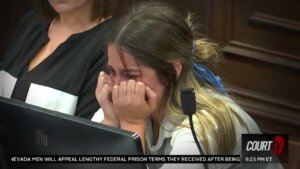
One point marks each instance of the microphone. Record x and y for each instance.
(188, 106)
(188, 101)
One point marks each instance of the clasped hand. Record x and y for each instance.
(130, 102)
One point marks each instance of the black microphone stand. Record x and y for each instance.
(188, 105)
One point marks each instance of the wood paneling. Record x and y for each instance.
(276, 24)
(294, 149)
(261, 43)
(122, 7)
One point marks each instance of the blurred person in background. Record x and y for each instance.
(55, 56)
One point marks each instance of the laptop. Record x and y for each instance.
(30, 130)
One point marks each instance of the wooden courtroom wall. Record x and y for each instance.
(261, 42)
(261, 67)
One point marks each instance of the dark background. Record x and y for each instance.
(261, 43)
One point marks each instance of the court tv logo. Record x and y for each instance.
(265, 148)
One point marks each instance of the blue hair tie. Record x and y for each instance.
(203, 73)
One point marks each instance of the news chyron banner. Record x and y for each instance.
(256, 148)
(126, 159)
(264, 148)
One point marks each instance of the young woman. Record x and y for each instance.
(153, 53)
(55, 56)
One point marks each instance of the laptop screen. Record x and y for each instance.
(30, 130)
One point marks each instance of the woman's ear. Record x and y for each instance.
(178, 68)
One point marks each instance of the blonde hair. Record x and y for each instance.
(157, 35)
(213, 115)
